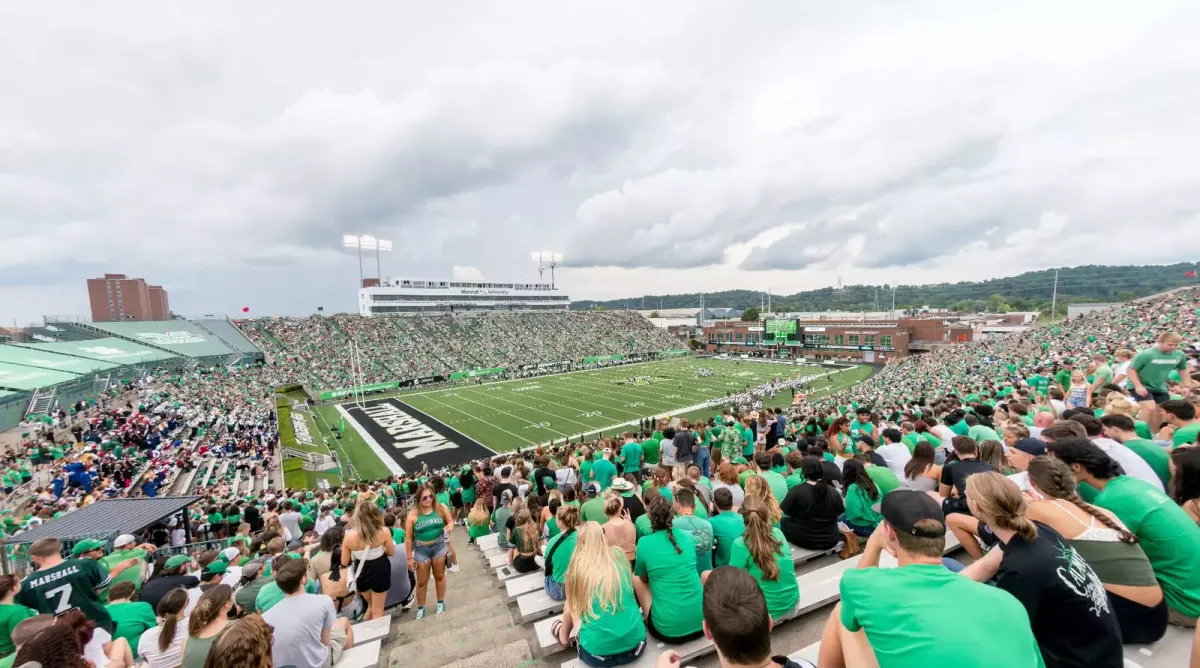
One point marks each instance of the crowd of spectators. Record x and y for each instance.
(320, 351)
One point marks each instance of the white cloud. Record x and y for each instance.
(700, 147)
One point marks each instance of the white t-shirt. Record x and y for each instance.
(896, 455)
(1129, 460)
(148, 650)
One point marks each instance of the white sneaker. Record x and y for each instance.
(453, 568)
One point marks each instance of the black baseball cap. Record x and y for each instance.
(1032, 446)
(903, 508)
(865, 438)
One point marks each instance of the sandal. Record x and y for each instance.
(556, 629)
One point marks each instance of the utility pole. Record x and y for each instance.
(1054, 297)
(769, 310)
(893, 301)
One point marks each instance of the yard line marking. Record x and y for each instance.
(518, 417)
(391, 464)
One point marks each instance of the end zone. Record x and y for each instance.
(398, 433)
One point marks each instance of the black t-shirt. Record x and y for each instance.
(539, 479)
(498, 490)
(876, 458)
(156, 588)
(1072, 620)
(634, 505)
(956, 474)
(830, 473)
(811, 519)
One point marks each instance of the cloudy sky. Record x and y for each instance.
(223, 148)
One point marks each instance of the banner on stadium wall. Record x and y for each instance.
(418, 382)
(603, 358)
(673, 353)
(477, 372)
(345, 392)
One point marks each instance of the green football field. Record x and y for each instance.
(508, 415)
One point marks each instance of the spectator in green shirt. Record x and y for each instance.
(131, 618)
(1181, 416)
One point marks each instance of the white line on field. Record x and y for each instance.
(384, 457)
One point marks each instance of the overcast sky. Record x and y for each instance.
(223, 148)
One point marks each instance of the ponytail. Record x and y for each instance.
(662, 518)
(170, 607)
(208, 607)
(1001, 503)
(1056, 480)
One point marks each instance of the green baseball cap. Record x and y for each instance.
(217, 567)
(177, 560)
(308, 495)
(740, 460)
(86, 545)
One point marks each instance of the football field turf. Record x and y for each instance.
(507, 415)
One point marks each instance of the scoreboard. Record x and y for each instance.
(780, 331)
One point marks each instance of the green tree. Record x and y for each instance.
(997, 304)
(601, 307)
(751, 314)
(654, 314)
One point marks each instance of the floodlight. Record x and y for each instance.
(385, 245)
(535, 256)
(368, 242)
(350, 241)
(557, 257)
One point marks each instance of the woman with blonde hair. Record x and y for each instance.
(245, 644)
(762, 550)
(1047, 575)
(619, 530)
(758, 487)
(601, 609)
(559, 550)
(525, 541)
(426, 535)
(1109, 548)
(991, 452)
(367, 544)
(1120, 405)
(479, 520)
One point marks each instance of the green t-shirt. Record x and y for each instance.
(782, 593)
(858, 507)
(592, 510)
(747, 442)
(859, 429)
(131, 619)
(10, 616)
(650, 450)
(796, 478)
(268, 596)
(585, 470)
(631, 456)
(744, 476)
(674, 582)
(1039, 383)
(885, 479)
(71, 584)
(133, 573)
(429, 527)
(980, 433)
(702, 533)
(1153, 367)
(398, 535)
(727, 527)
(1168, 536)
(562, 554)
(776, 482)
(911, 439)
(604, 471)
(899, 609)
(605, 632)
(1155, 455)
(642, 526)
(1143, 429)
(959, 428)
(246, 596)
(1186, 434)
(1063, 377)
(1104, 374)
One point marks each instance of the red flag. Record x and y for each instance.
(246, 309)
(1189, 274)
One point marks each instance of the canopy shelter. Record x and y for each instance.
(103, 520)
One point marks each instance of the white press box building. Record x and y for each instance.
(407, 296)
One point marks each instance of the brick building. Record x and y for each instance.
(116, 297)
(866, 341)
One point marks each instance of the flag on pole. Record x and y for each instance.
(1189, 274)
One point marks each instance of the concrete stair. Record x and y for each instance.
(478, 629)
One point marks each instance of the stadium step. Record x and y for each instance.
(477, 629)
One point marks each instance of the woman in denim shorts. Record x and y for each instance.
(426, 537)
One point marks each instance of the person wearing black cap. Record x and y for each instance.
(892, 616)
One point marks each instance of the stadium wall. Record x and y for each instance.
(300, 444)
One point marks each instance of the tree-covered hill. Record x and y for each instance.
(1031, 291)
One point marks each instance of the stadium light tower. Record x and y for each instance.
(367, 242)
(544, 258)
